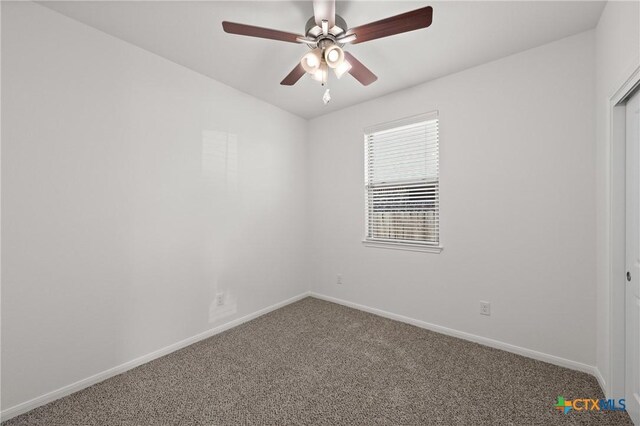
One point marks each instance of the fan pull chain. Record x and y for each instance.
(326, 97)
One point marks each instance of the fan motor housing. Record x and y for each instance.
(312, 30)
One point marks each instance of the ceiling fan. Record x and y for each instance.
(327, 33)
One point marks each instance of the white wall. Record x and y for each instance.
(517, 203)
(617, 56)
(120, 219)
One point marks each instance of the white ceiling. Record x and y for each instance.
(463, 34)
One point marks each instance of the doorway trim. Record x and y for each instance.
(616, 230)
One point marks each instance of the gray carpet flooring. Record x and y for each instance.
(315, 362)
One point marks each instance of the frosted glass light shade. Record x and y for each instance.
(333, 55)
(321, 74)
(312, 60)
(344, 67)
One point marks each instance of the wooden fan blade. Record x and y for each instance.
(293, 76)
(324, 10)
(414, 20)
(251, 31)
(359, 71)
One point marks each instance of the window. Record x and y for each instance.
(402, 184)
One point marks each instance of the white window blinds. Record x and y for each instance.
(402, 181)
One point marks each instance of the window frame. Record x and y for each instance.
(410, 245)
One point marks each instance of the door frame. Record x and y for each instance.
(616, 233)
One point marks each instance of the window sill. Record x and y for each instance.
(402, 246)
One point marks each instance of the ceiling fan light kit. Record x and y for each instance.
(326, 34)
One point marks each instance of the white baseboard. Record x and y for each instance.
(601, 381)
(529, 353)
(96, 378)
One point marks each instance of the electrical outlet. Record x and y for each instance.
(220, 299)
(339, 281)
(485, 308)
